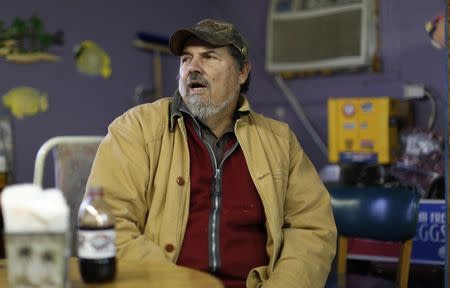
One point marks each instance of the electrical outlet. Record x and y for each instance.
(413, 91)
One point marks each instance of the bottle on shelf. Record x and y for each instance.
(96, 239)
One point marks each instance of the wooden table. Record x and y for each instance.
(139, 274)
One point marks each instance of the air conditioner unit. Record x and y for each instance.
(305, 35)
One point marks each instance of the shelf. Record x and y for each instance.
(151, 47)
(32, 58)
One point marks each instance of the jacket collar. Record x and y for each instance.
(177, 107)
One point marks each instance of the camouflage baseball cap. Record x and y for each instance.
(215, 32)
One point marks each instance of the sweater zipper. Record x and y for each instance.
(216, 195)
(214, 224)
(215, 217)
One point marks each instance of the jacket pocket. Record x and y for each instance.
(280, 174)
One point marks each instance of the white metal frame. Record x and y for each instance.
(51, 144)
(367, 32)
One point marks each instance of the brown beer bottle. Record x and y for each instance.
(96, 239)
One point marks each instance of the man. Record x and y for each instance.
(202, 181)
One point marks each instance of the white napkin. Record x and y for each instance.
(28, 208)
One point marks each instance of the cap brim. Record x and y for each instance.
(179, 38)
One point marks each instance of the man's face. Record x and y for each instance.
(209, 78)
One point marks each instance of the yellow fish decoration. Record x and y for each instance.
(92, 60)
(25, 101)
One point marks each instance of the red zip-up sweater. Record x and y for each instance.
(225, 233)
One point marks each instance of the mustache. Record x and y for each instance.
(195, 77)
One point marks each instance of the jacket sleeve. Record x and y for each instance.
(121, 168)
(309, 230)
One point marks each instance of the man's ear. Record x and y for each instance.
(244, 72)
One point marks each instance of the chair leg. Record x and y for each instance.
(403, 264)
(342, 255)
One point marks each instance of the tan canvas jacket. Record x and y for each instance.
(143, 166)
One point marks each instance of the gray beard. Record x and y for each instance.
(203, 110)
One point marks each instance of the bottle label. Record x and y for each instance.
(96, 244)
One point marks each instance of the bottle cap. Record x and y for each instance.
(95, 191)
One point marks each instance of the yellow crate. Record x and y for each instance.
(365, 129)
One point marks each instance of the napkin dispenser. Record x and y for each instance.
(37, 238)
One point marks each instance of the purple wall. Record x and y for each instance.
(407, 56)
(82, 105)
